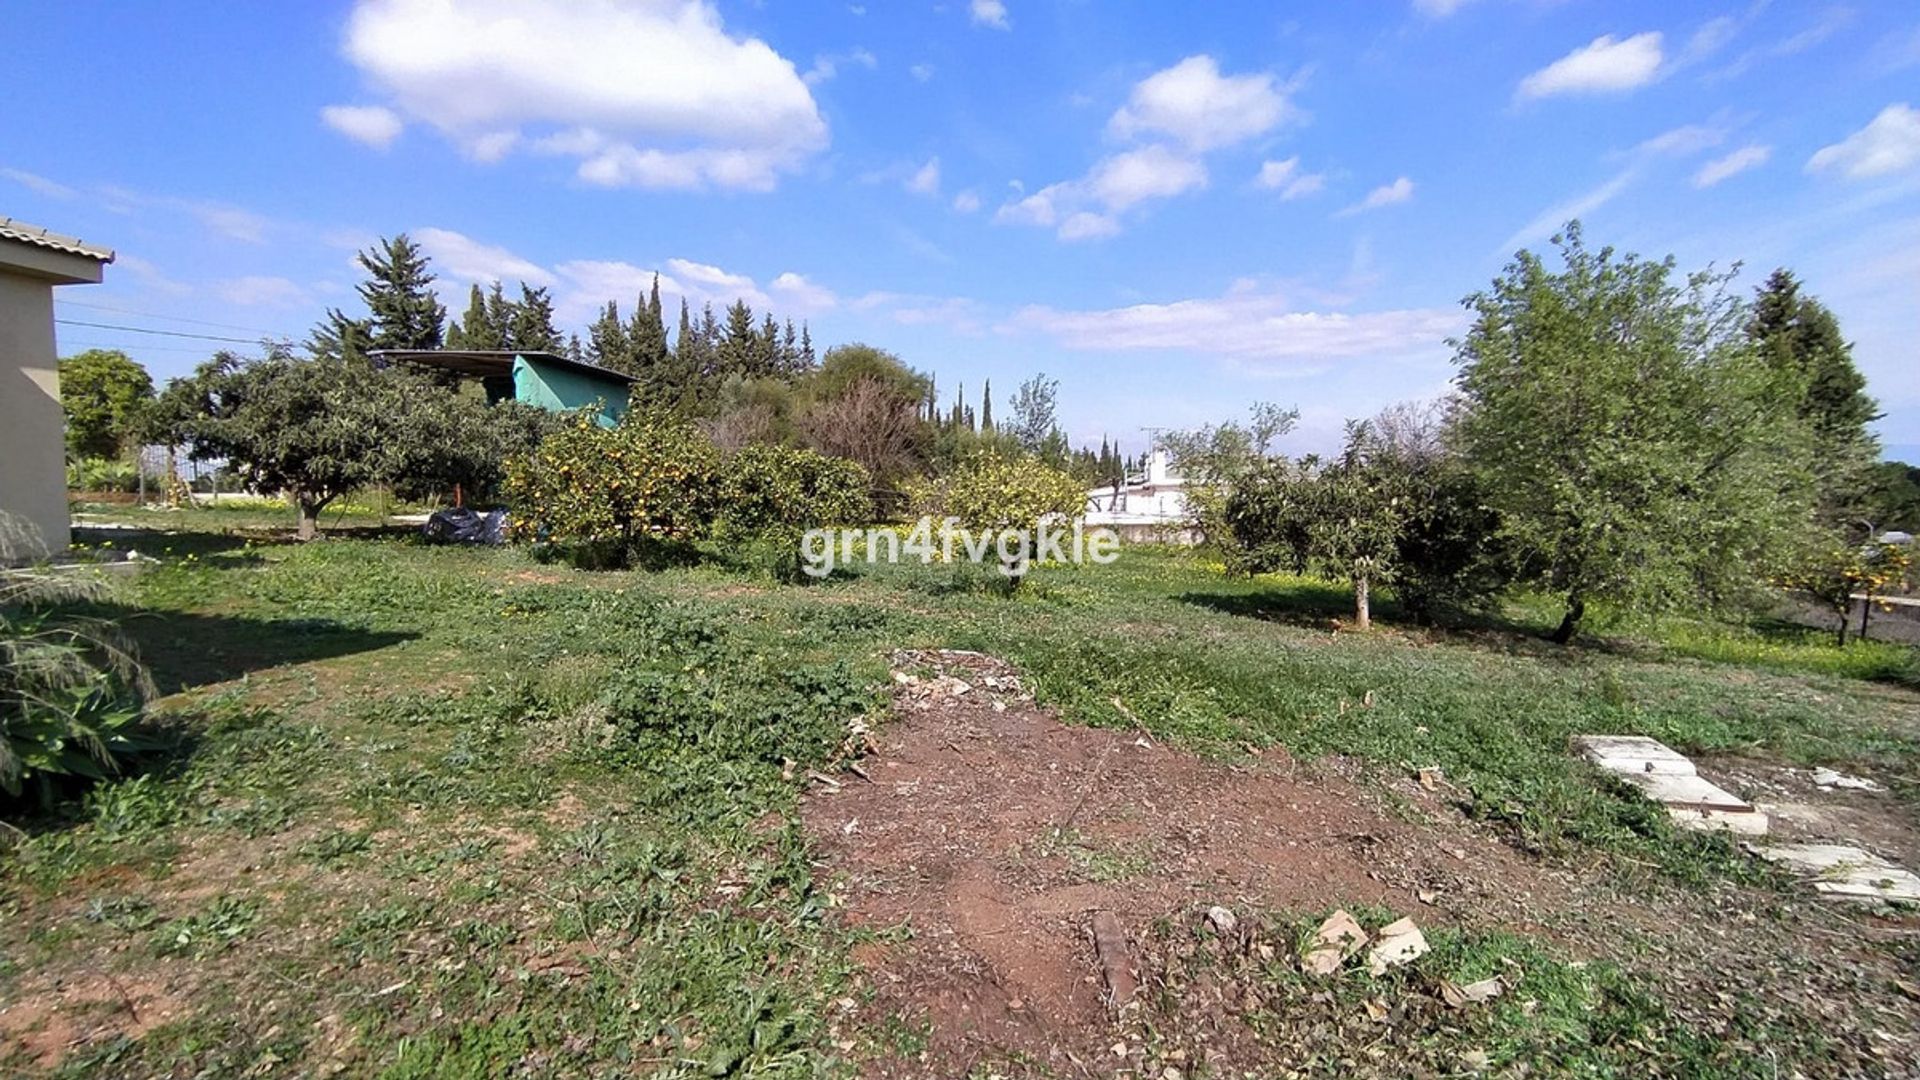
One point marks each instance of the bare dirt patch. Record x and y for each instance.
(992, 832)
(49, 1016)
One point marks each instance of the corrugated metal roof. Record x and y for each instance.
(484, 362)
(53, 241)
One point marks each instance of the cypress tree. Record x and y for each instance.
(789, 351)
(807, 360)
(607, 341)
(647, 334)
(986, 407)
(710, 339)
(494, 329)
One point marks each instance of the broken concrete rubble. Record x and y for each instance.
(1399, 943)
(1845, 871)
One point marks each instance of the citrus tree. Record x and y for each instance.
(1010, 495)
(652, 477)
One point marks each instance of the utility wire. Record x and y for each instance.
(162, 318)
(162, 333)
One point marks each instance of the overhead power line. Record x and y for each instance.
(162, 318)
(161, 333)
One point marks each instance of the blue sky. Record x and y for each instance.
(1174, 209)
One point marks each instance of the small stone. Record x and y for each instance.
(1222, 920)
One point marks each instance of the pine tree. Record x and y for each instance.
(533, 329)
(607, 341)
(986, 407)
(340, 338)
(575, 352)
(740, 344)
(403, 312)
(808, 362)
(1799, 337)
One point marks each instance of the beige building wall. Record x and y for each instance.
(33, 481)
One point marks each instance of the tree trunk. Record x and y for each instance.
(1570, 625)
(309, 520)
(1840, 631)
(1866, 609)
(1362, 603)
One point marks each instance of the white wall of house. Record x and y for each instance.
(33, 481)
(1154, 496)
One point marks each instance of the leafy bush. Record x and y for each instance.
(102, 474)
(602, 492)
(71, 691)
(994, 490)
(775, 490)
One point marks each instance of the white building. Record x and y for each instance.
(1144, 506)
(33, 476)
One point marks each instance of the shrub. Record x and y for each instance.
(992, 491)
(605, 491)
(102, 474)
(72, 693)
(773, 490)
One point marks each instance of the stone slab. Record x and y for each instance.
(1668, 777)
(1633, 754)
(1845, 871)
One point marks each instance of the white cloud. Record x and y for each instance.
(1286, 178)
(794, 294)
(966, 202)
(1192, 103)
(262, 291)
(649, 95)
(375, 125)
(150, 275)
(1251, 324)
(1401, 190)
(1087, 225)
(921, 72)
(989, 13)
(460, 258)
(231, 221)
(1889, 144)
(1605, 65)
(39, 185)
(1087, 207)
(827, 65)
(1438, 9)
(1747, 157)
(1549, 221)
(926, 179)
(1831, 21)
(1684, 140)
(1151, 172)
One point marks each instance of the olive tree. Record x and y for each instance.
(1632, 438)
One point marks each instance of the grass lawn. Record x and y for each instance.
(448, 812)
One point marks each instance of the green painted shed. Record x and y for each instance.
(548, 380)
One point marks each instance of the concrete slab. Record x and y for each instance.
(1632, 754)
(1845, 871)
(1667, 777)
